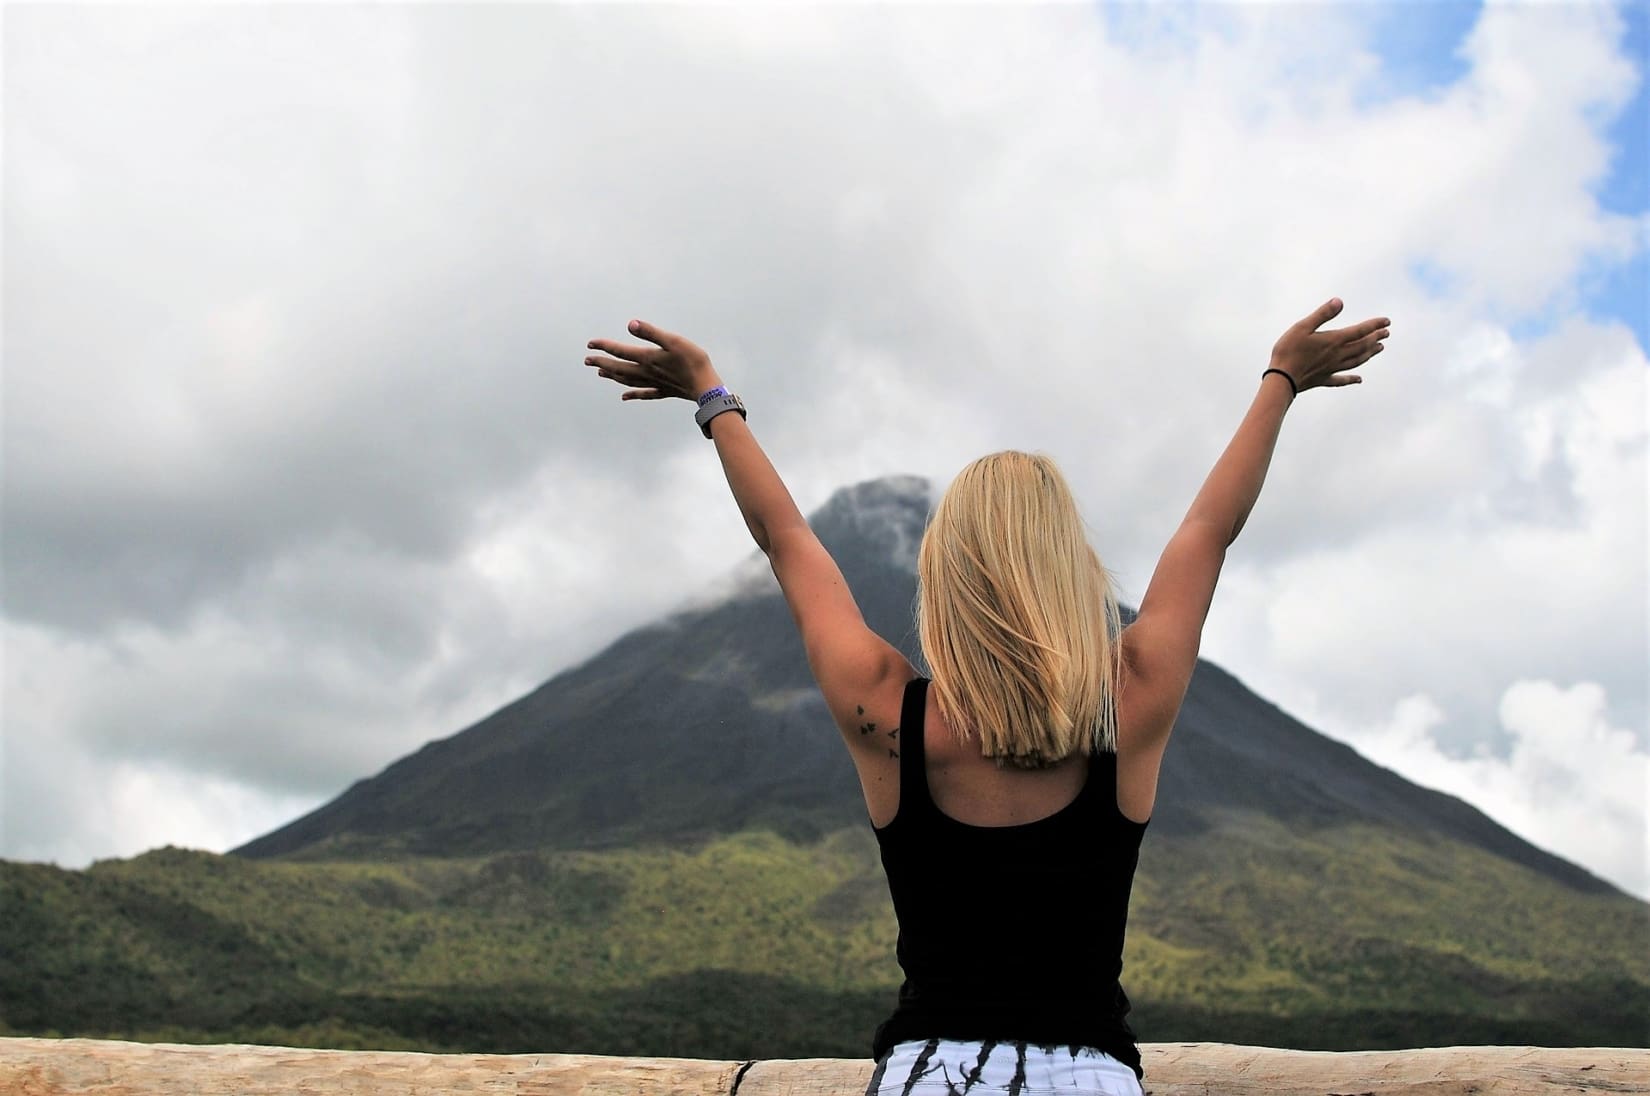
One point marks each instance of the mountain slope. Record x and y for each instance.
(663, 851)
(708, 722)
(753, 946)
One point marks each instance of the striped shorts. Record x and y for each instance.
(949, 1067)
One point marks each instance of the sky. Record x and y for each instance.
(302, 468)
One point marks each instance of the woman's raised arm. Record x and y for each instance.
(676, 368)
(1307, 358)
(849, 661)
(1161, 645)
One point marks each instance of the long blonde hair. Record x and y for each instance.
(1016, 614)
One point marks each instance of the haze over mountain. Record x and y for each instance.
(709, 722)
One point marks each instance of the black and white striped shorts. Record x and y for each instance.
(950, 1067)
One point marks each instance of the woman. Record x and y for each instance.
(1010, 811)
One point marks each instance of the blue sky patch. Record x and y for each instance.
(1418, 45)
(1623, 292)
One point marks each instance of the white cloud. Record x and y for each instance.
(301, 469)
(125, 808)
(1511, 542)
(1571, 783)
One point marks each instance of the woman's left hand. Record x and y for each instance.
(671, 367)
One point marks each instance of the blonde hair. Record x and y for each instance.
(1016, 614)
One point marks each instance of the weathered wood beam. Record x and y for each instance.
(72, 1067)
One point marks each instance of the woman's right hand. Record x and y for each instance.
(1319, 359)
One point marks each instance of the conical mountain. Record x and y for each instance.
(705, 722)
(709, 722)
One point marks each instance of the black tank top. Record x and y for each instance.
(1009, 933)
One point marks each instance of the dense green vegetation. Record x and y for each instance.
(752, 945)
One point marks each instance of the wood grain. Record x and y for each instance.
(80, 1067)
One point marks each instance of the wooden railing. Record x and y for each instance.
(71, 1067)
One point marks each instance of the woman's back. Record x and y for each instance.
(1009, 930)
(974, 789)
(979, 791)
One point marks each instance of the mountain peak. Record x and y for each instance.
(888, 513)
(711, 721)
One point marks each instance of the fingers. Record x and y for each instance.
(639, 382)
(643, 330)
(1363, 348)
(631, 352)
(620, 350)
(619, 370)
(1326, 312)
(1363, 330)
(629, 374)
(1352, 361)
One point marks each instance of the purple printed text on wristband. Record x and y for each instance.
(719, 390)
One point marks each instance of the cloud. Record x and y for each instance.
(301, 469)
(125, 808)
(1521, 557)
(1571, 783)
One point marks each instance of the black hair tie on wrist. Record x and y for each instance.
(1292, 389)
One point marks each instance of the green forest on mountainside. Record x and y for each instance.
(752, 945)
